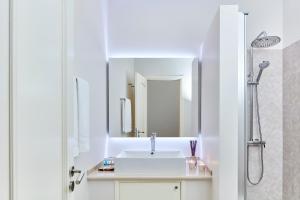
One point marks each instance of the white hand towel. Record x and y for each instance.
(83, 115)
(126, 123)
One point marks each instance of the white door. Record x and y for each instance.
(40, 122)
(141, 105)
(149, 191)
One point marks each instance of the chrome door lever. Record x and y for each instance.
(79, 178)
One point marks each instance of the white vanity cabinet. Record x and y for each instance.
(194, 184)
(150, 189)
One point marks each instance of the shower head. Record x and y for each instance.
(265, 41)
(262, 66)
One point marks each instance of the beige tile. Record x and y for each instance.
(270, 102)
(291, 122)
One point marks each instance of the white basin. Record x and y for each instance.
(142, 162)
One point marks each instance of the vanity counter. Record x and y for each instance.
(191, 174)
(195, 184)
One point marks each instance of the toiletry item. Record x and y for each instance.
(107, 162)
(201, 166)
(193, 145)
(192, 162)
(107, 165)
(106, 169)
(193, 159)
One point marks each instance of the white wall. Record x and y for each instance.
(158, 28)
(210, 101)
(264, 15)
(219, 127)
(291, 17)
(4, 100)
(90, 64)
(146, 26)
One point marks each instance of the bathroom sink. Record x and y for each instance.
(144, 163)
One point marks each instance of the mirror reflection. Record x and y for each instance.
(153, 95)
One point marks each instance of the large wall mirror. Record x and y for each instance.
(153, 95)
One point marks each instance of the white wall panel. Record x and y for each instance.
(220, 95)
(210, 101)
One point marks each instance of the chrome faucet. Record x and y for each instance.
(152, 139)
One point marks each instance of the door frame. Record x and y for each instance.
(4, 100)
(67, 95)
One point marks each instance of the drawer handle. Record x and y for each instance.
(176, 187)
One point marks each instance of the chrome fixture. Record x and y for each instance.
(152, 139)
(261, 41)
(265, 41)
(262, 66)
(78, 180)
(137, 132)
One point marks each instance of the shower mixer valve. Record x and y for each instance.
(256, 142)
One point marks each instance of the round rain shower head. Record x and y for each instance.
(264, 41)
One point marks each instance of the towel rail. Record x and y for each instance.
(122, 114)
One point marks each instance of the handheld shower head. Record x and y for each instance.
(262, 66)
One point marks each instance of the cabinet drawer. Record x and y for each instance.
(149, 190)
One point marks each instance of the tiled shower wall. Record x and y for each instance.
(291, 122)
(270, 102)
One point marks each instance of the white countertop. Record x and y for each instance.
(191, 174)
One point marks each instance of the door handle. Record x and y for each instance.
(79, 178)
(137, 132)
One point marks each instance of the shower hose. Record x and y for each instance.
(261, 145)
